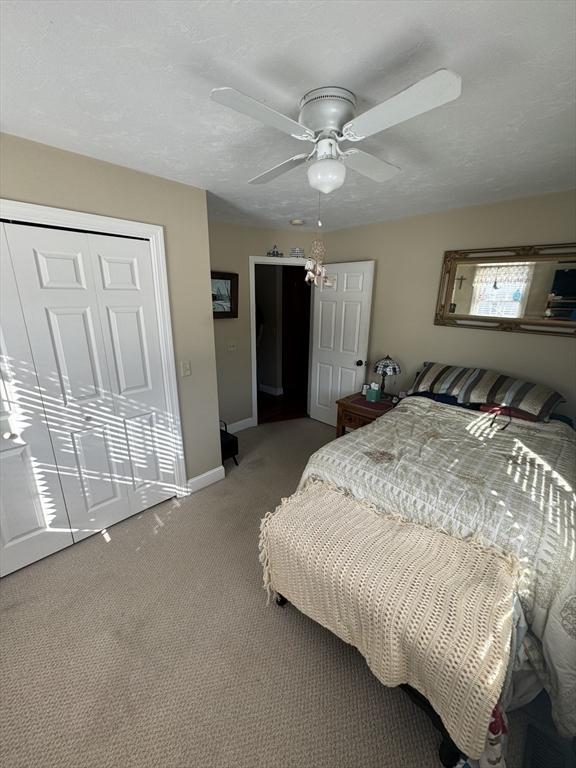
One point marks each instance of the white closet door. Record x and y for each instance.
(340, 336)
(60, 304)
(125, 289)
(33, 520)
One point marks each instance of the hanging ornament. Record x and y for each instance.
(315, 269)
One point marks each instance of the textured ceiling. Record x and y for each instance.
(129, 82)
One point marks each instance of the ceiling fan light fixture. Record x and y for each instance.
(328, 117)
(327, 175)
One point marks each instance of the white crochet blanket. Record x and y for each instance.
(423, 607)
(512, 488)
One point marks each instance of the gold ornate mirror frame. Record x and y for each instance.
(553, 314)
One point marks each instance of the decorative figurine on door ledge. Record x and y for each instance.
(275, 252)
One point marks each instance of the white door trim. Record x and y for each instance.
(288, 261)
(18, 212)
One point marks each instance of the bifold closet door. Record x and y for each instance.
(94, 340)
(33, 520)
(125, 290)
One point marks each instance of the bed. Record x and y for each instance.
(504, 483)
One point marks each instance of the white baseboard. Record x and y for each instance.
(206, 478)
(276, 391)
(238, 426)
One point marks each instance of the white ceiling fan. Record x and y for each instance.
(328, 117)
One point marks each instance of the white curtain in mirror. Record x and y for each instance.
(501, 290)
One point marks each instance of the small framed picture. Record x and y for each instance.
(224, 294)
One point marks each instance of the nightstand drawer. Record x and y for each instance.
(353, 420)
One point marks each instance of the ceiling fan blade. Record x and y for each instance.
(279, 169)
(433, 91)
(369, 165)
(234, 99)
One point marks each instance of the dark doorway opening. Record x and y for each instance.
(282, 341)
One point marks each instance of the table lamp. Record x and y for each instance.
(386, 367)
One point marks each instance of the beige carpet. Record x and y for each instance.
(157, 648)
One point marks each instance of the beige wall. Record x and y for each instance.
(36, 173)
(230, 249)
(408, 255)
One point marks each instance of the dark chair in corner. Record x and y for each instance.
(228, 443)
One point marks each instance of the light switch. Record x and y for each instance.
(185, 368)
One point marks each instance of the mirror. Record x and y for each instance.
(531, 289)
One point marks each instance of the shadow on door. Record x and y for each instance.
(282, 342)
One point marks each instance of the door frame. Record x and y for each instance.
(29, 213)
(288, 261)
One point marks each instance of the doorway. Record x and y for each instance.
(282, 332)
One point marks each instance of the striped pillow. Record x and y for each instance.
(441, 379)
(482, 386)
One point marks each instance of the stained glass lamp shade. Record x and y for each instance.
(386, 367)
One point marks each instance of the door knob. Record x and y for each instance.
(359, 362)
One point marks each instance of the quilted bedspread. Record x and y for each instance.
(507, 484)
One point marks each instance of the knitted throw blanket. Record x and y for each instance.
(423, 607)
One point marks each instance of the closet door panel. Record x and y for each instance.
(33, 520)
(125, 289)
(95, 462)
(129, 349)
(56, 282)
(143, 450)
(74, 347)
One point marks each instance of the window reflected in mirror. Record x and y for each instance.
(528, 288)
(515, 290)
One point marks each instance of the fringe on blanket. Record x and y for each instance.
(264, 549)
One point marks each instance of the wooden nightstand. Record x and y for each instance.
(355, 411)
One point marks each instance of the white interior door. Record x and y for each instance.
(33, 519)
(340, 336)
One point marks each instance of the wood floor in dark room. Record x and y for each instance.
(280, 407)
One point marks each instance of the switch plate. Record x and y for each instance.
(185, 368)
